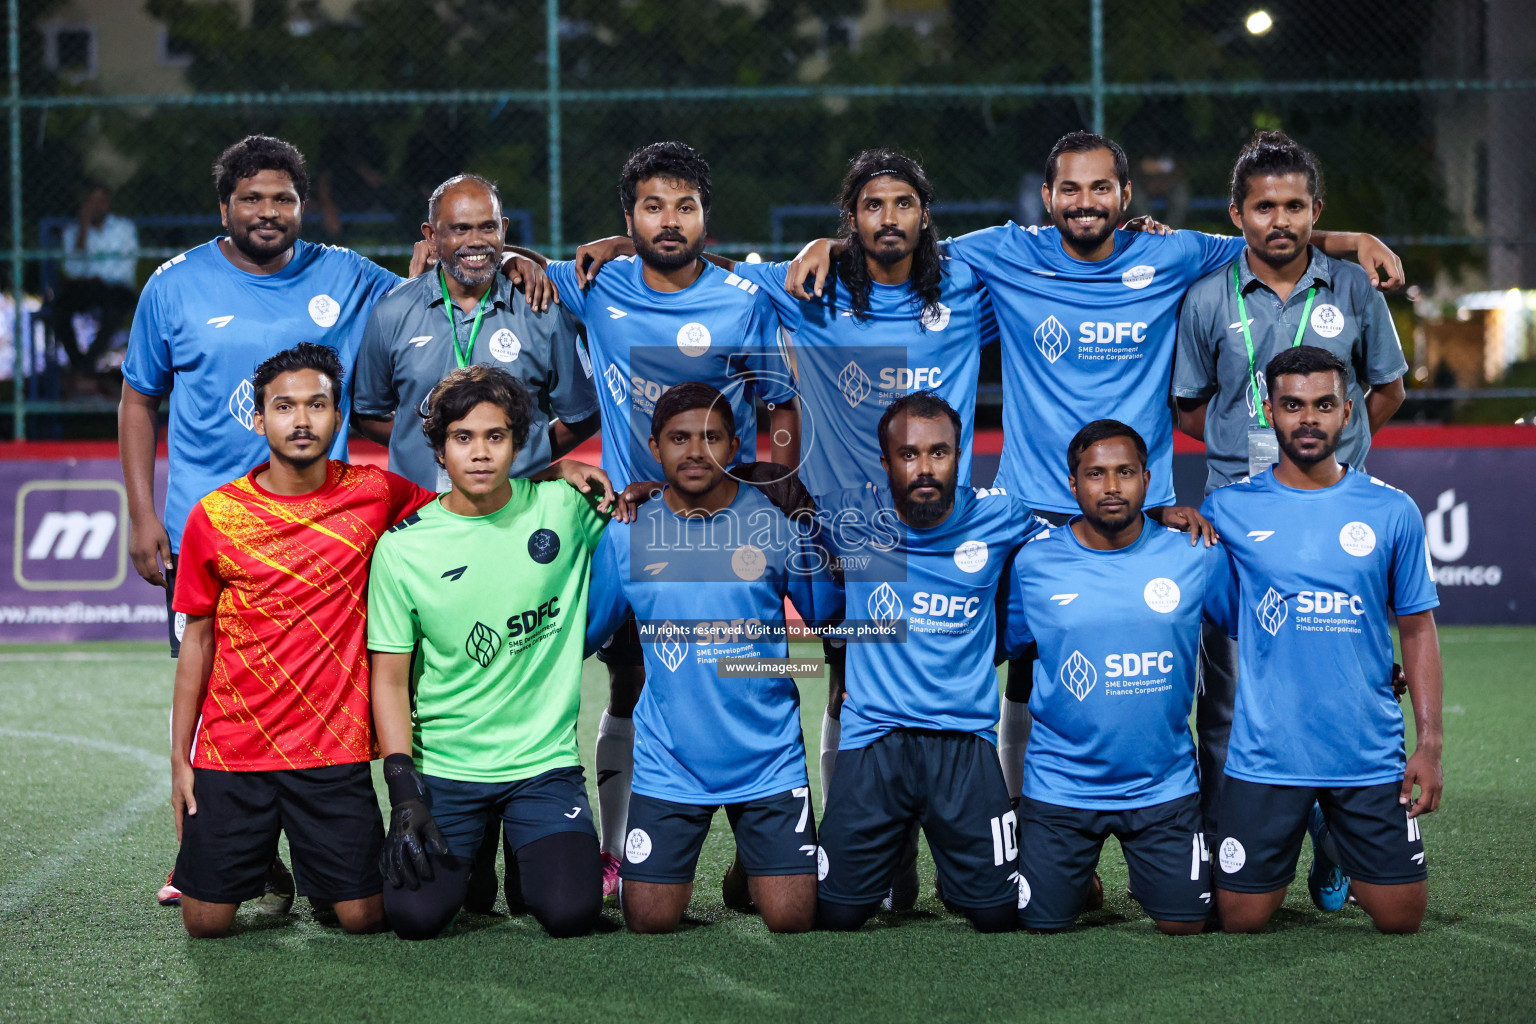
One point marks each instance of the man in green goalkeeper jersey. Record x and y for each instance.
(488, 587)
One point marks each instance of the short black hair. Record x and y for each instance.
(1086, 142)
(1102, 430)
(922, 405)
(689, 395)
(254, 154)
(1303, 361)
(434, 200)
(670, 161)
(458, 393)
(306, 355)
(1274, 153)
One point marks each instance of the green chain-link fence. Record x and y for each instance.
(1419, 109)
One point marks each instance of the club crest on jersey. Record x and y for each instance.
(884, 605)
(1078, 675)
(324, 310)
(971, 556)
(1138, 277)
(693, 339)
(1052, 339)
(1161, 595)
(505, 346)
(482, 644)
(1272, 612)
(1358, 539)
(854, 383)
(543, 546)
(242, 403)
(637, 846)
(673, 650)
(936, 318)
(1328, 320)
(748, 563)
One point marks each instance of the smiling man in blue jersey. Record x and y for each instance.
(1323, 554)
(654, 320)
(1115, 603)
(706, 569)
(921, 559)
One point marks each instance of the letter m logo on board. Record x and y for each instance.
(70, 535)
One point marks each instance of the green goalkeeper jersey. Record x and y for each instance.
(495, 608)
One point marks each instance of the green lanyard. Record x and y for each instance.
(1242, 318)
(462, 353)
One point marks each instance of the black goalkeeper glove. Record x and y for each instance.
(412, 832)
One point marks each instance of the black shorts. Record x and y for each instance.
(530, 809)
(1164, 848)
(1262, 826)
(330, 815)
(950, 783)
(623, 650)
(775, 835)
(174, 620)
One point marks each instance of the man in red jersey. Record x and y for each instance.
(273, 576)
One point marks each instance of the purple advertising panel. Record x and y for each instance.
(64, 548)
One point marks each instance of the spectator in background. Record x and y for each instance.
(99, 276)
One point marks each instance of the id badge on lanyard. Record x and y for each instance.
(1263, 449)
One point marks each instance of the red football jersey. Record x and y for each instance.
(286, 580)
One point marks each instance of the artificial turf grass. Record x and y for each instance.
(81, 938)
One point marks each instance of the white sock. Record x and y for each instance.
(615, 763)
(831, 733)
(1012, 738)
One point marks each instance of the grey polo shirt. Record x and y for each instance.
(408, 347)
(1349, 318)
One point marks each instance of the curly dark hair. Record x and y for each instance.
(256, 153)
(1274, 153)
(670, 161)
(463, 389)
(853, 268)
(306, 355)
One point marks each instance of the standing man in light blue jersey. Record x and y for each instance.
(921, 560)
(1087, 316)
(1115, 604)
(1280, 292)
(706, 570)
(654, 320)
(1323, 554)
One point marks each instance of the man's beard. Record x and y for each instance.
(889, 256)
(926, 513)
(646, 249)
(1068, 229)
(1112, 527)
(1278, 260)
(299, 463)
(449, 261)
(261, 252)
(1327, 448)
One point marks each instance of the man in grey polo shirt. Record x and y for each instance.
(1280, 292)
(466, 312)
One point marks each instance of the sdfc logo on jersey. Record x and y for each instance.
(324, 310)
(482, 644)
(1328, 320)
(505, 346)
(693, 339)
(884, 605)
(673, 650)
(1358, 539)
(1161, 595)
(1052, 339)
(1272, 611)
(1138, 277)
(1078, 675)
(936, 318)
(242, 403)
(854, 383)
(615, 381)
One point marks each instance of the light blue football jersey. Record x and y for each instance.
(1119, 647)
(937, 587)
(720, 583)
(720, 330)
(1085, 341)
(1318, 571)
(849, 370)
(202, 327)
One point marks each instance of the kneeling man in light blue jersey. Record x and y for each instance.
(1323, 554)
(705, 570)
(1115, 603)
